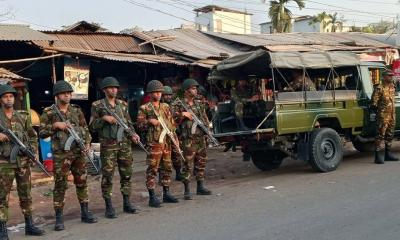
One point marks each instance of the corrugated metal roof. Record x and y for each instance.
(17, 32)
(313, 41)
(107, 42)
(187, 42)
(6, 75)
(124, 57)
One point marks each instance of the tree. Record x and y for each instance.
(379, 27)
(320, 18)
(280, 15)
(335, 23)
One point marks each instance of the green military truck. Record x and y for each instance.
(311, 125)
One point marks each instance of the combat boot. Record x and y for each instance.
(167, 196)
(201, 190)
(59, 225)
(389, 156)
(187, 195)
(379, 157)
(86, 215)
(153, 200)
(3, 230)
(30, 229)
(110, 211)
(128, 207)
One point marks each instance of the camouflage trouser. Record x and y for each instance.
(159, 154)
(195, 153)
(239, 108)
(23, 177)
(385, 131)
(64, 162)
(111, 155)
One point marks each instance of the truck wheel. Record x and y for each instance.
(326, 151)
(267, 160)
(364, 147)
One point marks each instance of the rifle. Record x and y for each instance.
(198, 123)
(167, 131)
(19, 146)
(124, 128)
(74, 137)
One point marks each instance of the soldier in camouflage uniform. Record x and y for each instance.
(167, 97)
(112, 152)
(382, 103)
(65, 161)
(193, 144)
(297, 83)
(241, 94)
(19, 122)
(160, 147)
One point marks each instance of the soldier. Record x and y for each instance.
(65, 161)
(176, 160)
(160, 149)
(19, 123)
(194, 145)
(382, 103)
(240, 94)
(112, 152)
(300, 82)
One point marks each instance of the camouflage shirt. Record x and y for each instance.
(153, 132)
(106, 131)
(184, 124)
(383, 98)
(76, 118)
(20, 124)
(297, 84)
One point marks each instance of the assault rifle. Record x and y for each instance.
(198, 123)
(166, 131)
(20, 147)
(124, 128)
(74, 137)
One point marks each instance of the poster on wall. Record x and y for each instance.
(76, 72)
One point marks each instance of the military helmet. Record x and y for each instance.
(5, 88)
(61, 86)
(154, 86)
(109, 82)
(188, 83)
(168, 90)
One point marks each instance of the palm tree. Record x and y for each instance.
(320, 18)
(335, 22)
(280, 15)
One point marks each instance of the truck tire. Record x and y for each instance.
(326, 151)
(267, 160)
(364, 147)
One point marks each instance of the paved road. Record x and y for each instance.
(360, 200)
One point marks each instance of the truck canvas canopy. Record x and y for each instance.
(256, 62)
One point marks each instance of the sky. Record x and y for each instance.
(116, 15)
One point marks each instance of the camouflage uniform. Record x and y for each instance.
(160, 153)
(383, 101)
(113, 152)
(193, 144)
(297, 84)
(21, 171)
(66, 161)
(239, 95)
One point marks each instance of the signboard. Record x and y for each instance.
(76, 72)
(396, 69)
